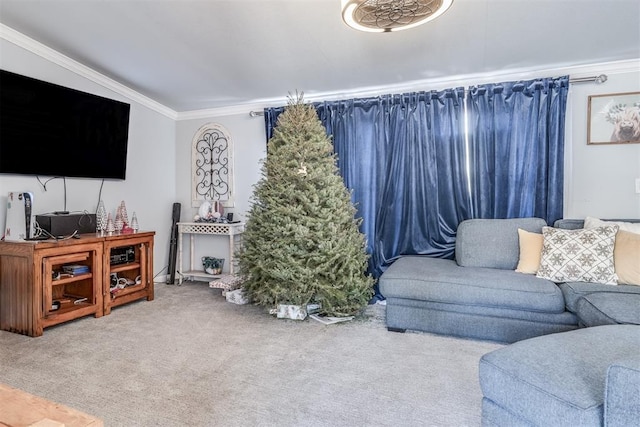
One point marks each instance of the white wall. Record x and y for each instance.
(149, 188)
(600, 179)
(247, 135)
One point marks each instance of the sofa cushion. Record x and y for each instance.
(626, 254)
(626, 257)
(495, 312)
(530, 251)
(441, 280)
(569, 224)
(557, 379)
(492, 243)
(573, 291)
(609, 308)
(574, 224)
(631, 227)
(584, 255)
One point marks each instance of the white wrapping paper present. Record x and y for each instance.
(294, 312)
(236, 297)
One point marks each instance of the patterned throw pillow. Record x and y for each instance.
(626, 255)
(584, 255)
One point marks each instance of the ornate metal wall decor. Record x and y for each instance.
(212, 165)
(391, 15)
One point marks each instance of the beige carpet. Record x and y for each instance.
(189, 358)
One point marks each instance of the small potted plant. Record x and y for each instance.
(212, 265)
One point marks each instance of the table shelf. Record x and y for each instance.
(231, 230)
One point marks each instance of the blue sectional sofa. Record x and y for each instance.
(479, 295)
(556, 372)
(586, 377)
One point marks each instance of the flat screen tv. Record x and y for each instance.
(51, 130)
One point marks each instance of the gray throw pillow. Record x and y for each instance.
(584, 255)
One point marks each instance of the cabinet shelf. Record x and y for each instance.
(200, 274)
(125, 267)
(128, 290)
(68, 307)
(76, 278)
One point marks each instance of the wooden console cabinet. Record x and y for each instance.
(44, 283)
(139, 270)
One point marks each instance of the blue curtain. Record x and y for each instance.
(417, 164)
(516, 146)
(402, 156)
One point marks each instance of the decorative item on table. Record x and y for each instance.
(101, 218)
(123, 213)
(134, 223)
(212, 265)
(118, 222)
(210, 212)
(110, 226)
(217, 207)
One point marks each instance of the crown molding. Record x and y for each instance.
(228, 111)
(37, 48)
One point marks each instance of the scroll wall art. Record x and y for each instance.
(212, 166)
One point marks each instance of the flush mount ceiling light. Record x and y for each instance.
(381, 16)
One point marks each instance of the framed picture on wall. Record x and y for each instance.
(614, 118)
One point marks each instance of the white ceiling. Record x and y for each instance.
(193, 55)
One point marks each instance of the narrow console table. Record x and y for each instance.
(232, 231)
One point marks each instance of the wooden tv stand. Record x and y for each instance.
(45, 283)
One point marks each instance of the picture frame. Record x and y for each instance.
(614, 118)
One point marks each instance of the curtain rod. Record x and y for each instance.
(599, 79)
(596, 79)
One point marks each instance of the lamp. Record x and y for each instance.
(381, 16)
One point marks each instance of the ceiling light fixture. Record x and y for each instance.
(383, 16)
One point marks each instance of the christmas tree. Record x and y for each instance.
(302, 244)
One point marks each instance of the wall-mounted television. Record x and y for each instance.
(51, 130)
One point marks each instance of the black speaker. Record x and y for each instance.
(230, 216)
(173, 243)
(66, 224)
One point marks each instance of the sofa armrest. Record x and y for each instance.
(622, 394)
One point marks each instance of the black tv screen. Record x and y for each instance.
(51, 130)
